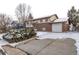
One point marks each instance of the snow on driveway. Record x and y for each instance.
(73, 35)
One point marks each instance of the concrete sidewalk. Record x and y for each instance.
(9, 50)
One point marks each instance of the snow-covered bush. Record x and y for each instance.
(17, 35)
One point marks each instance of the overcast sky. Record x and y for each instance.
(40, 8)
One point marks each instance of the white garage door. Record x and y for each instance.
(57, 27)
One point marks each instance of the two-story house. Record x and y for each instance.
(51, 24)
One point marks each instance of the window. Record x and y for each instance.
(43, 20)
(35, 30)
(43, 29)
(38, 21)
(48, 20)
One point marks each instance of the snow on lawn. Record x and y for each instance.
(73, 35)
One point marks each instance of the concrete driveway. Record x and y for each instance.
(73, 35)
(49, 47)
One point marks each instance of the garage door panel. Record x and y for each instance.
(57, 27)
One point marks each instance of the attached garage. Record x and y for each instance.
(60, 25)
(57, 27)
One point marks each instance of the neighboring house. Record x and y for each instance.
(51, 24)
(16, 25)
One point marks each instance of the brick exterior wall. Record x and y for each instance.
(48, 27)
(65, 27)
(43, 27)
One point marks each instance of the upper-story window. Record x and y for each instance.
(52, 18)
(48, 20)
(43, 20)
(38, 21)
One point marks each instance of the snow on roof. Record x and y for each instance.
(61, 20)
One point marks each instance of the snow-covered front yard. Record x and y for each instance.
(43, 35)
(73, 35)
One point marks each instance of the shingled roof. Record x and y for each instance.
(47, 17)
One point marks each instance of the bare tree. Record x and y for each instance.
(4, 22)
(22, 12)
